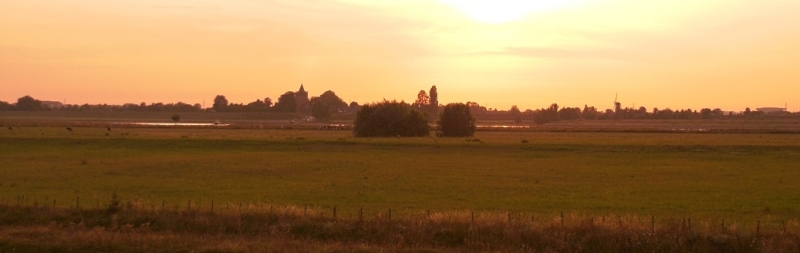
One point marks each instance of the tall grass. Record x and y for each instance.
(240, 228)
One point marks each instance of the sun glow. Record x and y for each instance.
(504, 11)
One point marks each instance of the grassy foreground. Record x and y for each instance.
(748, 180)
(294, 229)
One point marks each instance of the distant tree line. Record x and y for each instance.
(28, 103)
(323, 107)
(329, 104)
(554, 113)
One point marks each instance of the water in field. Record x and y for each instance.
(500, 126)
(217, 124)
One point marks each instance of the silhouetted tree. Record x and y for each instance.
(589, 112)
(434, 96)
(475, 108)
(176, 117)
(456, 120)
(390, 119)
(717, 112)
(324, 106)
(28, 103)
(268, 102)
(5, 106)
(569, 113)
(256, 106)
(546, 115)
(705, 113)
(286, 103)
(422, 99)
(220, 103)
(514, 111)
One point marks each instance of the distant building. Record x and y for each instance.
(301, 100)
(772, 110)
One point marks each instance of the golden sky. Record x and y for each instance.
(727, 54)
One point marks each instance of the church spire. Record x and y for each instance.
(301, 88)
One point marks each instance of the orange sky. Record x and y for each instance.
(659, 53)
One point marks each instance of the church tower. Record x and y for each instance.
(301, 100)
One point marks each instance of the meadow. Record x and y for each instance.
(743, 179)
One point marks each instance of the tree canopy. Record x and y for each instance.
(286, 103)
(28, 103)
(390, 119)
(324, 106)
(456, 121)
(220, 103)
(434, 96)
(422, 99)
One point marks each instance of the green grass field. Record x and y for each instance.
(738, 177)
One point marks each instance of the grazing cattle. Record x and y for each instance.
(109, 128)
(10, 128)
(69, 129)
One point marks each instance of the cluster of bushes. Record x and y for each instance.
(392, 118)
(456, 120)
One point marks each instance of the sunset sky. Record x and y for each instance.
(680, 54)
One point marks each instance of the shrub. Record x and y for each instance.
(390, 119)
(457, 121)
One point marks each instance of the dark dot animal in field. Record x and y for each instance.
(109, 128)
(10, 128)
(69, 129)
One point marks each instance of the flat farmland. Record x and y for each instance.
(739, 177)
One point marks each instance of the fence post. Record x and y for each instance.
(334, 212)
(562, 219)
(758, 228)
(653, 223)
(684, 224)
(189, 206)
(212, 206)
(54, 203)
(472, 217)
